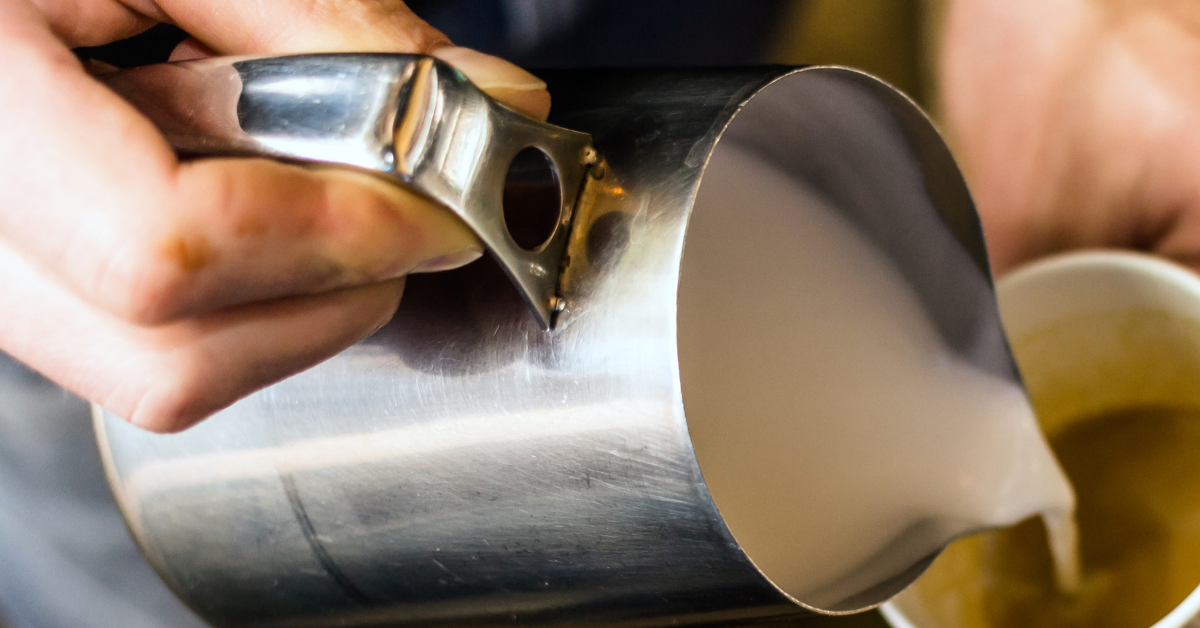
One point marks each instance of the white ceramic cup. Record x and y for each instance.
(1105, 330)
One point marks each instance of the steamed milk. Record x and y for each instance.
(1135, 473)
(1116, 390)
(841, 440)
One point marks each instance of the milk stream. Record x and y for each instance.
(1062, 533)
(841, 440)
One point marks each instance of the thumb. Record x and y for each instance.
(500, 79)
(237, 27)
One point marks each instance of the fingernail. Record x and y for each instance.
(191, 49)
(500, 79)
(448, 261)
(439, 239)
(99, 68)
(488, 72)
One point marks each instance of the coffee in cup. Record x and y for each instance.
(1109, 345)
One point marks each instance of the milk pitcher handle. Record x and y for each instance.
(409, 117)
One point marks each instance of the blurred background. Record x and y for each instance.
(888, 38)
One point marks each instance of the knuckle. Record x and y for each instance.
(176, 397)
(149, 283)
(427, 38)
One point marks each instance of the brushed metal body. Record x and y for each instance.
(465, 467)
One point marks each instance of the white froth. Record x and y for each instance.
(841, 440)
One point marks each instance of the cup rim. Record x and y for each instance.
(1148, 265)
(1159, 267)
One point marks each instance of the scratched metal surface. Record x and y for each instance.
(464, 467)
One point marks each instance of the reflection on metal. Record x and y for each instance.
(406, 116)
(464, 467)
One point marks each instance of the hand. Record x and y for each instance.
(1078, 123)
(166, 290)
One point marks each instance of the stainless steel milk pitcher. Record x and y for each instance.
(514, 446)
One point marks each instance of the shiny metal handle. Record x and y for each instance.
(410, 117)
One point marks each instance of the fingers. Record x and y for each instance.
(169, 377)
(177, 375)
(152, 240)
(91, 22)
(500, 79)
(190, 49)
(291, 26)
(250, 230)
(236, 27)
